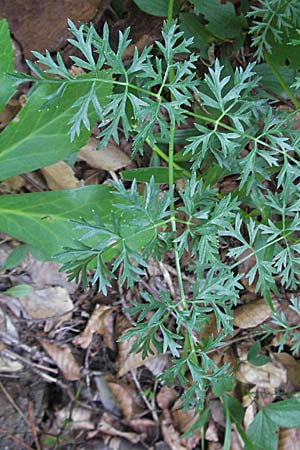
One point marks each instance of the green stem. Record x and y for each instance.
(166, 158)
(282, 81)
(170, 11)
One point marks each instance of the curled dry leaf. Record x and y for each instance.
(147, 426)
(64, 360)
(105, 395)
(127, 361)
(44, 274)
(236, 440)
(289, 439)
(108, 425)
(100, 322)
(60, 176)
(170, 434)
(183, 420)
(166, 397)
(78, 417)
(124, 395)
(293, 369)
(270, 375)
(251, 314)
(211, 433)
(106, 158)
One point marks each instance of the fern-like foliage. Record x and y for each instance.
(233, 130)
(270, 21)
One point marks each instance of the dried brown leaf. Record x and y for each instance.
(100, 322)
(183, 420)
(127, 361)
(166, 397)
(236, 440)
(44, 274)
(53, 304)
(78, 417)
(64, 360)
(293, 369)
(147, 426)
(289, 439)
(170, 434)
(109, 426)
(124, 394)
(107, 158)
(270, 375)
(60, 176)
(211, 433)
(251, 314)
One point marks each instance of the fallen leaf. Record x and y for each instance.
(64, 360)
(267, 376)
(251, 314)
(211, 433)
(183, 420)
(108, 425)
(147, 426)
(127, 361)
(100, 322)
(52, 304)
(12, 184)
(166, 397)
(170, 434)
(157, 364)
(236, 442)
(289, 439)
(106, 158)
(78, 418)
(125, 396)
(105, 395)
(43, 24)
(293, 369)
(60, 176)
(46, 273)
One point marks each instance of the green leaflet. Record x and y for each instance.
(155, 8)
(144, 174)
(222, 19)
(263, 432)
(39, 137)
(42, 219)
(6, 64)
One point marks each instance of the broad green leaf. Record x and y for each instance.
(155, 7)
(42, 219)
(193, 27)
(234, 407)
(40, 135)
(222, 19)
(285, 413)
(268, 79)
(6, 64)
(15, 257)
(283, 54)
(262, 432)
(254, 357)
(160, 174)
(20, 290)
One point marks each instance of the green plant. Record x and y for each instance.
(232, 130)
